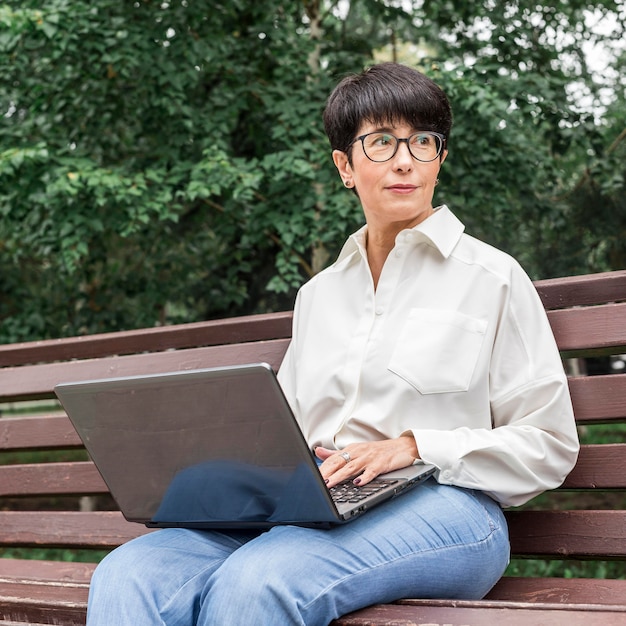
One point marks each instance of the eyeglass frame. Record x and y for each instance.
(400, 140)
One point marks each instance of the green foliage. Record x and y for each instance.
(164, 162)
(54, 554)
(565, 569)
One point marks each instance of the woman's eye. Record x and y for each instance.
(383, 140)
(422, 141)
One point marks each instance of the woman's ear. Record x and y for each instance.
(343, 167)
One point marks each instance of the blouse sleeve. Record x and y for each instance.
(533, 443)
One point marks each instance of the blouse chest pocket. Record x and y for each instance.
(437, 350)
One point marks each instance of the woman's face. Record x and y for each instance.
(394, 194)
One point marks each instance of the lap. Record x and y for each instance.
(406, 536)
(454, 534)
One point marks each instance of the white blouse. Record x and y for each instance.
(453, 346)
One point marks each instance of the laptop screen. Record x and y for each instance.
(207, 447)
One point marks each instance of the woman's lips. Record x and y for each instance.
(403, 189)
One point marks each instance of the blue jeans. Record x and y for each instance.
(434, 542)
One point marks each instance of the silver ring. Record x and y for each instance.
(345, 456)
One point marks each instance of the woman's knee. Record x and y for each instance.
(260, 584)
(252, 578)
(120, 565)
(155, 579)
(142, 559)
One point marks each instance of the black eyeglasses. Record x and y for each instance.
(424, 146)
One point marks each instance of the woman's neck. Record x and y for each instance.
(378, 245)
(381, 239)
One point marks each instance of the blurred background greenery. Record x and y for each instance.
(164, 162)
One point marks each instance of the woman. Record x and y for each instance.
(419, 344)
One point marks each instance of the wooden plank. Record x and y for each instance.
(557, 293)
(598, 398)
(208, 333)
(57, 529)
(561, 534)
(67, 605)
(459, 613)
(53, 603)
(40, 601)
(598, 327)
(559, 590)
(568, 534)
(45, 432)
(37, 381)
(30, 623)
(46, 571)
(595, 399)
(599, 467)
(34, 479)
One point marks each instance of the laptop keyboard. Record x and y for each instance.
(347, 492)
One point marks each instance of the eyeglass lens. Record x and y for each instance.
(382, 146)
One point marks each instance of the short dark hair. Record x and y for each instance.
(385, 93)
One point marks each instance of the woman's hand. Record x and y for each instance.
(366, 460)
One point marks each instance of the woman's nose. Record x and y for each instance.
(403, 159)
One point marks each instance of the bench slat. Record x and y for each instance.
(101, 529)
(601, 466)
(66, 603)
(44, 432)
(210, 333)
(597, 327)
(598, 398)
(571, 534)
(46, 571)
(595, 399)
(69, 478)
(460, 613)
(559, 590)
(31, 623)
(557, 293)
(43, 603)
(568, 534)
(509, 588)
(42, 379)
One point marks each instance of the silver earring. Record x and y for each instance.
(436, 181)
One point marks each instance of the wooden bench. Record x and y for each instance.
(47, 501)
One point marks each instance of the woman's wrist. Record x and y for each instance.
(413, 449)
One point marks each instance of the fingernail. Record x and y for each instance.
(356, 481)
(327, 480)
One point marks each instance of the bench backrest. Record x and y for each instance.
(48, 499)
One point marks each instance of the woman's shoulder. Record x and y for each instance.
(473, 251)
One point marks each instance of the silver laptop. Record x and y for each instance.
(212, 448)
